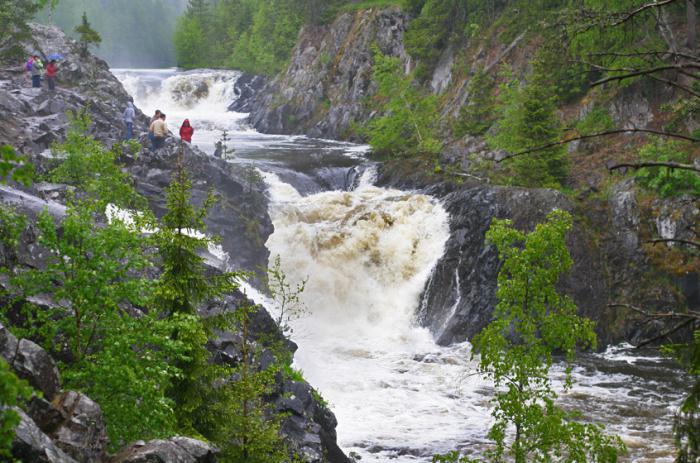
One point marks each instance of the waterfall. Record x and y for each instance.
(367, 253)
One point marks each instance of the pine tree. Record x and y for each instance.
(88, 36)
(528, 119)
(476, 116)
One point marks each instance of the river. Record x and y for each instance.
(367, 253)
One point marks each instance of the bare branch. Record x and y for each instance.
(641, 9)
(597, 135)
(659, 315)
(675, 84)
(673, 240)
(664, 334)
(629, 73)
(641, 165)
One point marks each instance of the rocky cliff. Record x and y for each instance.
(330, 74)
(325, 90)
(66, 426)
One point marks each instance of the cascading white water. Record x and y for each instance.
(367, 254)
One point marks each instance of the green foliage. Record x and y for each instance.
(528, 120)
(665, 181)
(477, 115)
(286, 296)
(181, 235)
(189, 41)
(408, 124)
(88, 35)
(251, 35)
(531, 322)
(12, 224)
(89, 166)
(596, 121)
(590, 33)
(14, 18)
(12, 392)
(251, 431)
(687, 425)
(121, 361)
(14, 167)
(429, 34)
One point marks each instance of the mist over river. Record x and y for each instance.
(367, 253)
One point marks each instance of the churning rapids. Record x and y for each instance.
(367, 253)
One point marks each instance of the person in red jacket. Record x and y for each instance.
(186, 131)
(51, 71)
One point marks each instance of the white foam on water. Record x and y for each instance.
(367, 255)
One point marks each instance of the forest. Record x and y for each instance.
(134, 33)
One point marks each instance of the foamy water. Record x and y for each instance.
(367, 254)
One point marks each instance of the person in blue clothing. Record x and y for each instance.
(129, 114)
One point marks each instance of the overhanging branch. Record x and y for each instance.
(597, 135)
(627, 16)
(674, 240)
(641, 165)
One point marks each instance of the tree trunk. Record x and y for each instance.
(692, 18)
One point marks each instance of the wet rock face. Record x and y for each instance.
(30, 444)
(239, 216)
(82, 434)
(246, 89)
(30, 362)
(460, 296)
(329, 76)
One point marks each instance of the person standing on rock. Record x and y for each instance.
(37, 71)
(51, 71)
(128, 116)
(160, 130)
(155, 117)
(186, 131)
(28, 66)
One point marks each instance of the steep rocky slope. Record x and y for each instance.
(330, 74)
(325, 90)
(65, 426)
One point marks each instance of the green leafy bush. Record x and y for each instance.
(12, 392)
(408, 124)
(528, 120)
(531, 322)
(666, 181)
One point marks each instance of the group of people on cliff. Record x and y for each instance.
(36, 69)
(157, 129)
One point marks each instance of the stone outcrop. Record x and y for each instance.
(322, 92)
(30, 444)
(246, 89)
(175, 449)
(30, 362)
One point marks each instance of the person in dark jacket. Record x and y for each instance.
(128, 116)
(51, 71)
(186, 131)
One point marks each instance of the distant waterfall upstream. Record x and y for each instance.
(367, 253)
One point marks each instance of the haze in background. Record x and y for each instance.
(135, 33)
